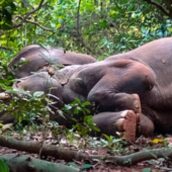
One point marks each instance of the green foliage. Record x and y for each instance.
(146, 170)
(113, 143)
(86, 166)
(7, 9)
(97, 27)
(6, 78)
(80, 115)
(26, 107)
(3, 166)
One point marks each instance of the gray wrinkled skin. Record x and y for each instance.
(110, 84)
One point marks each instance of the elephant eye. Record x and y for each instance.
(148, 83)
(150, 86)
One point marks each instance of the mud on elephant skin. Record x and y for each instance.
(137, 82)
(35, 57)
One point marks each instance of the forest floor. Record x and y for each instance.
(101, 147)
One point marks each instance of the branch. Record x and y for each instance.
(136, 157)
(78, 18)
(69, 155)
(27, 15)
(34, 10)
(159, 6)
(47, 150)
(39, 25)
(23, 20)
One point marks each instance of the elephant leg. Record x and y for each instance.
(108, 98)
(114, 122)
(145, 126)
(106, 101)
(127, 122)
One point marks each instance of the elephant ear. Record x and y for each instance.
(137, 78)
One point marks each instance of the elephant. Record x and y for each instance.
(35, 57)
(131, 90)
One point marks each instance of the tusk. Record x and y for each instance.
(4, 96)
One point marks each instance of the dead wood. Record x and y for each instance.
(136, 157)
(69, 155)
(24, 163)
(44, 149)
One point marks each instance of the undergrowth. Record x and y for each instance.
(31, 112)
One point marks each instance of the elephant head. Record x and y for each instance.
(40, 82)
(34, 57)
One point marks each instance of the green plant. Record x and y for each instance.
(3, 166)
(26, 107)
(80, 114)
(6, 77)
(113, 143)
(7, 10)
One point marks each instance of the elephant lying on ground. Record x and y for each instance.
(35, 57)
(132, 91)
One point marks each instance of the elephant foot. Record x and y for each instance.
(123, 122)
(127, 124)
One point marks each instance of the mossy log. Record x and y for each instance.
(42, 149)
(24, 163)
(69, 155)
